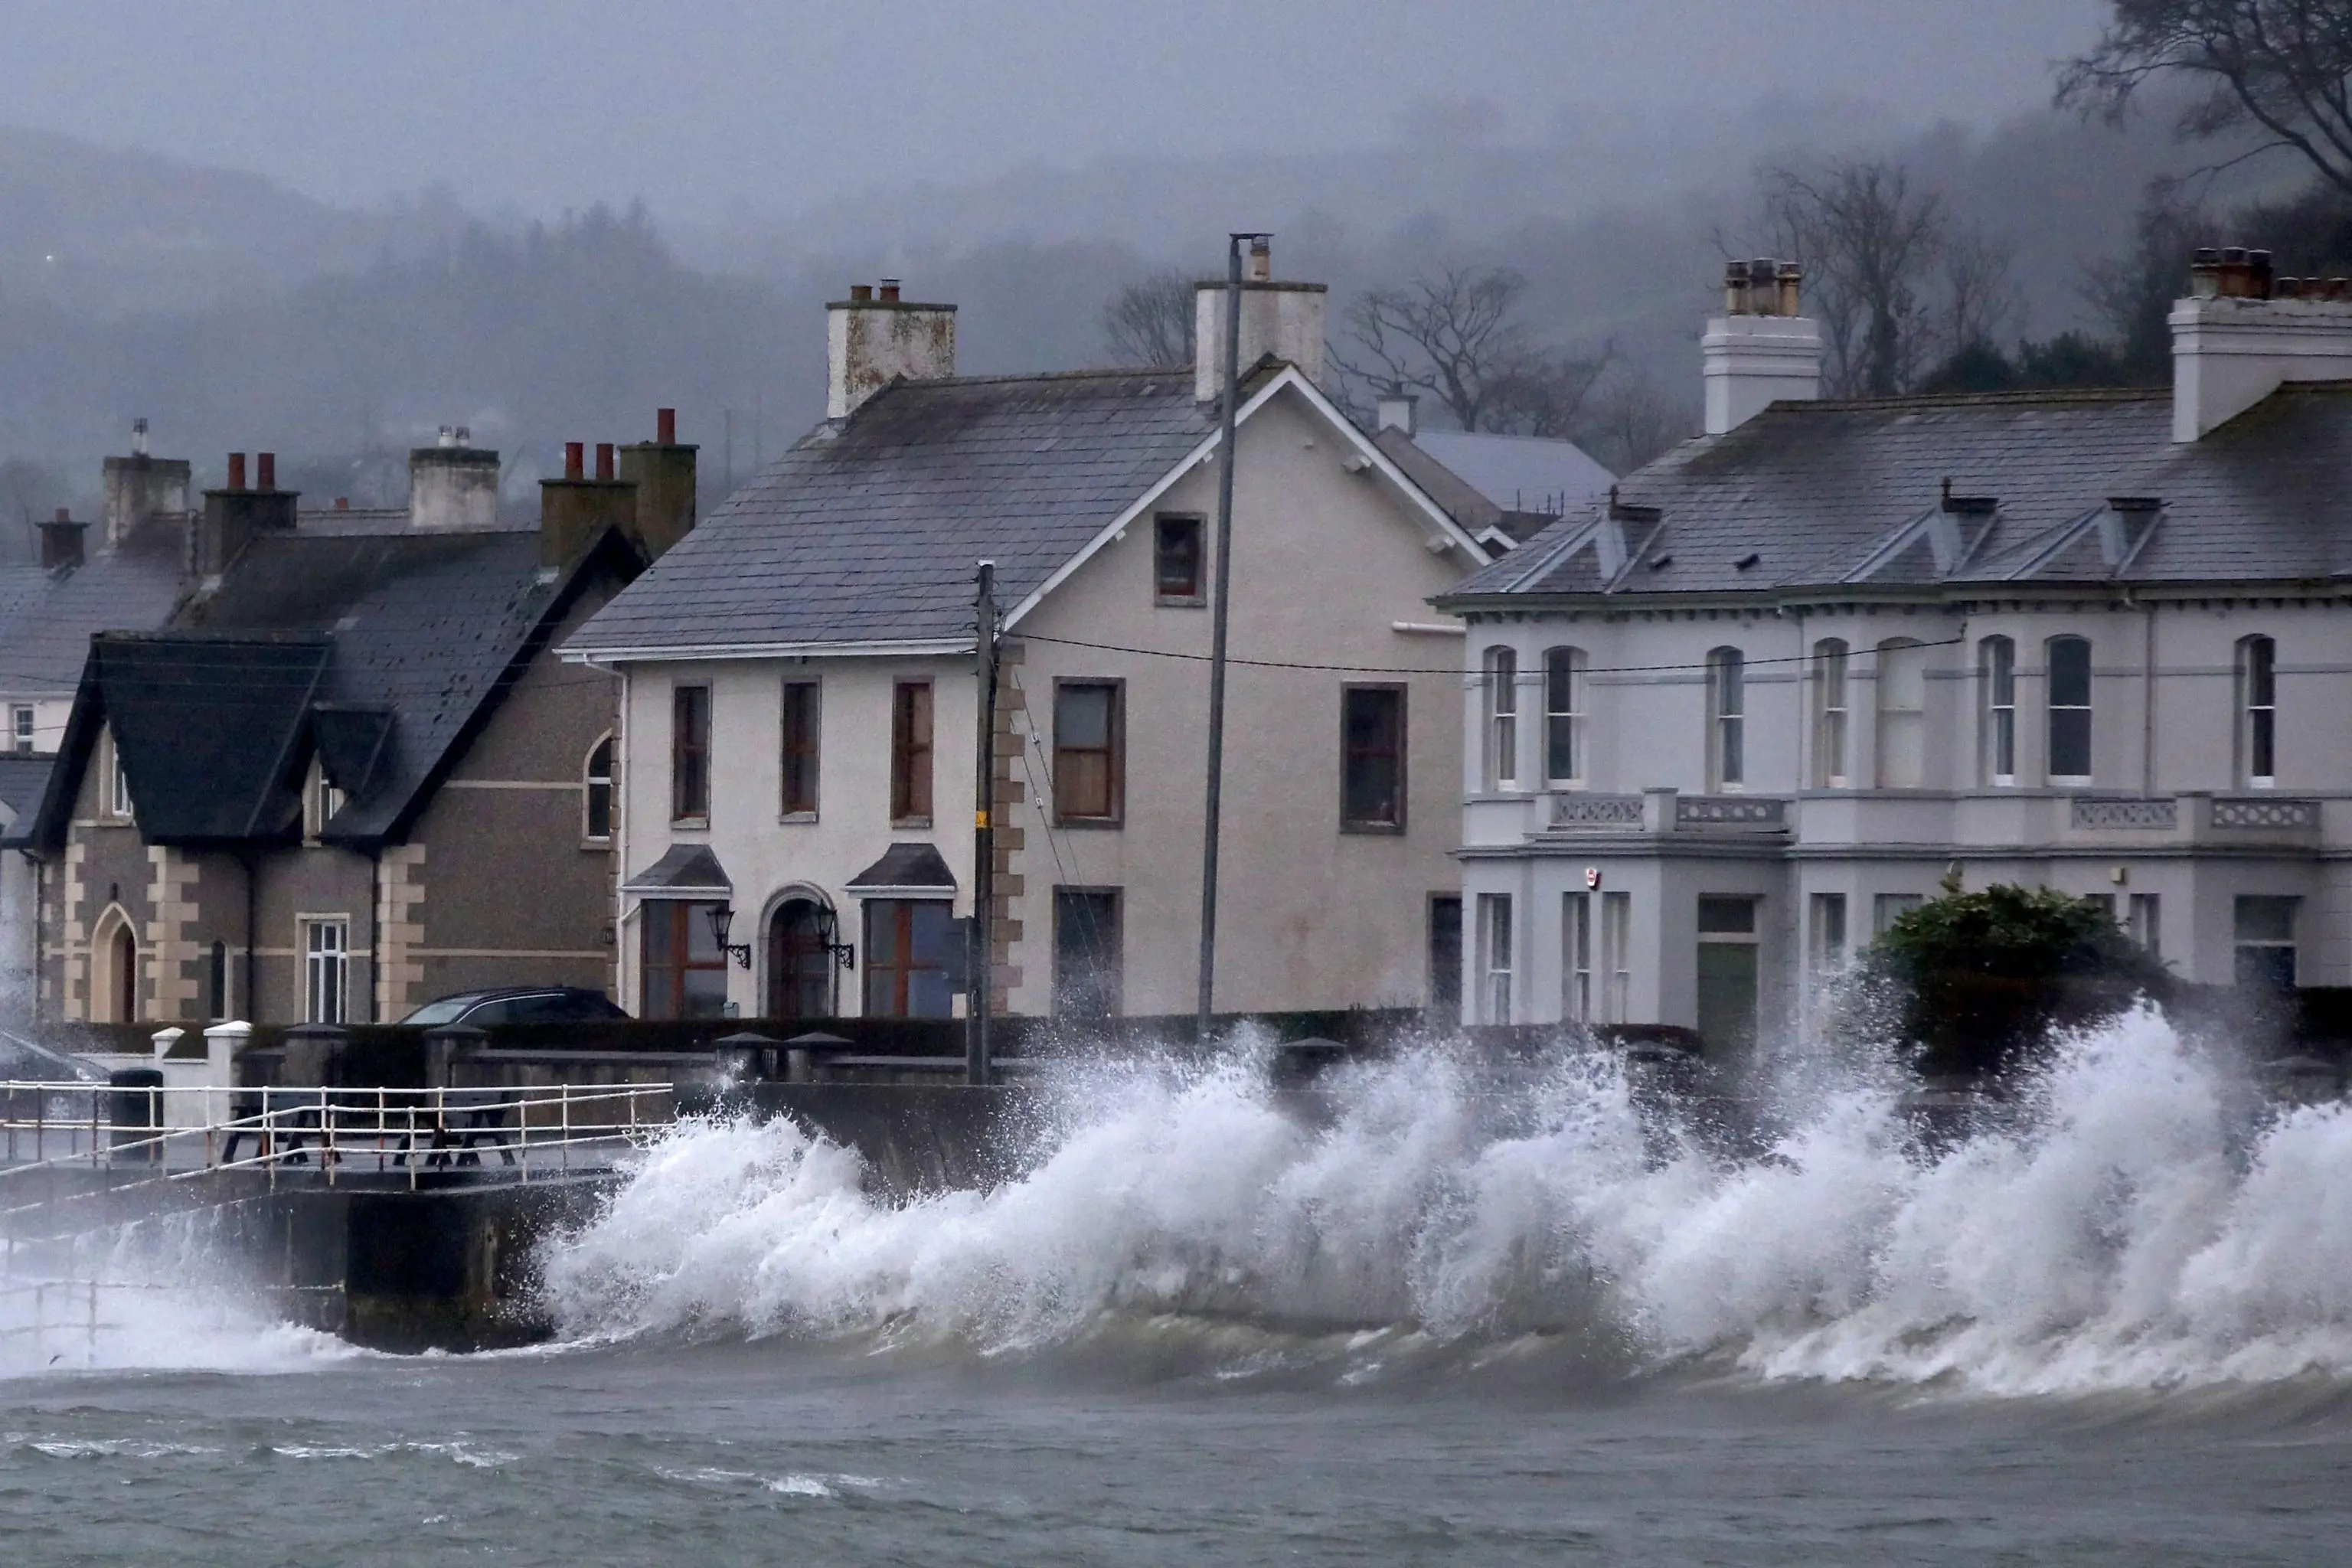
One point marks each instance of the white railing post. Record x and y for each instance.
(222, 1044)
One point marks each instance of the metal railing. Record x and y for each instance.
(173, 1133)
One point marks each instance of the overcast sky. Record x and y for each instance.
(713, 107)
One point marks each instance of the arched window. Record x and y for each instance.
(1997, 680)
(1830, 711)
(1502, 704)
(2070, 710)
(1727, 715)
(2257, 712)
(596, 808)
(1902, 714)
(1564, 716)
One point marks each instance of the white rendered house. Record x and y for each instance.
(1728, 722)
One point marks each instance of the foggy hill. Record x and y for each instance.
(235, 314)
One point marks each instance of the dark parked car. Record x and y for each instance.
(519, 1005)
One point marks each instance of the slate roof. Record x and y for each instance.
(683, 868)
(871, 532)
(912, 865)
(378, 652)
(46, 617)
(23, 777)
(1948, 492)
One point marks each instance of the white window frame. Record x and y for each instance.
(1495, 951)
(2145, 924)
(1832, 709)
(1564, 716)
(1727, 721)
(326, 968)
(590, 782)
(1576, 955)
(2258, 712)
(1616, 956)
(118, 783)
(1500, 693)
(2051, 709)
(23, 728)
(1826, 937)
(1997, 666)
(1898, 725)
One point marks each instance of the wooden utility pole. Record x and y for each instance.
(980, 966)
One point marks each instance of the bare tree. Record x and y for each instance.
(2133, 292)
(1455, 333)
(1867, 244)
(1627, 421)
(2282, 69)
(1980, 295)
(1150, 322)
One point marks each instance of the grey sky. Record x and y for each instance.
(707, 107)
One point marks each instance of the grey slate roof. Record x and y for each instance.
(871, 532)
(908, 866)
(378, 653)
(47, 617)
(23, 777)
(1948, 492)
(683, 868)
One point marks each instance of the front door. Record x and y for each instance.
(1727, 997)
(800, 970)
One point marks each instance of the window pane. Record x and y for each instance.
(2261, 658)
(881, 932)
(2070, 672)
(1178, 568)
(1372, 723)
(1082, 716)
(1727, 916)
(2265, 919)
(706, 993)
(2070, 742)
(661, 931)
(690, 752)
(701, 941)
(934, 928)
(800, 746)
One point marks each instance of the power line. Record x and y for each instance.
(1444, 669)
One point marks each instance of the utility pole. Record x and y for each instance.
(979, 969)
(1220, 608)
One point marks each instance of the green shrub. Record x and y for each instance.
(1979, 980)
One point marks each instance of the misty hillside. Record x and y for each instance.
(235, 314)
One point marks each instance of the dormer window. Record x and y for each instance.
(320, 801)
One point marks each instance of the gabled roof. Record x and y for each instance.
(379, 654)
(867, 534)
(910, 868)
(46, 617)
(870, 534)
(24, 776)
(1899, 493)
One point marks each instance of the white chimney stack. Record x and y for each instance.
(874, 337)
(1285, 319)
(1761, 351)
(452, 486)
(2241, 334)
(1402, 412)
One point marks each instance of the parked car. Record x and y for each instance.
(519, 1005)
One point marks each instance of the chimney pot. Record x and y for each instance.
(1792, 281)
(342, 504)
(1260, 260)
(139, 436)
(605, 462)
(267, 462)
(666, 426)
(448, 438)
(575, 460)
(1400, 411)
(2257, 274)
(1762, 350)
(65, 514)
(890, 291)
(861, 293)
(236, 471)
(1735, 288)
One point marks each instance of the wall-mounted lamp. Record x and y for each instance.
(721, 917)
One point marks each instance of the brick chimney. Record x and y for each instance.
(663, 471)
(234, 513)
(61, 541)
(872, 338)
(2242, 333)
(137, 488)
(1762, 350)
(576, 511)
(453, 485)
(1281, 319)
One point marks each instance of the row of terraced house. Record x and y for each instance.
(1666, 749)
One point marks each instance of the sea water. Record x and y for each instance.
(1468, 1311)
